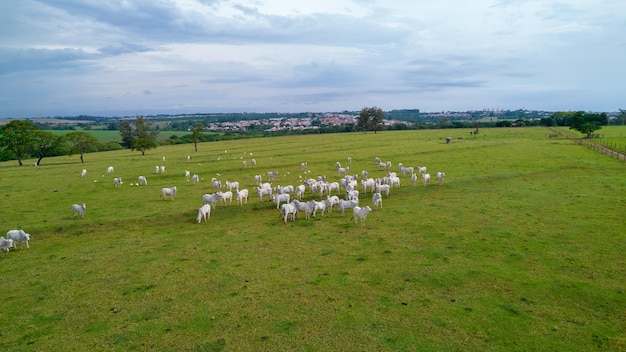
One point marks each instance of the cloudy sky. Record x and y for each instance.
(144, 57)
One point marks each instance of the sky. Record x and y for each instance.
(147, 57)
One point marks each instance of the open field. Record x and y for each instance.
(114, 136)
(521, 249)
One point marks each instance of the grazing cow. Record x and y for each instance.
(110, 169)
(245, 163)
(79, 209)
(142, 180)
(83, 173)
(426, 179)
(377, 200)
(360, 213)
(168, 191)
(5, 244)
(287, 209)
(253, 161)
(19, 236)
(117, 182)
(440, 176)
(204, 213)
(187, 175)
(195, 179)
(242, 196)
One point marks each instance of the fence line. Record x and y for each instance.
(586, 143)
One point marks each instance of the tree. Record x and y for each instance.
(196, 135)
(370, 119)
(622, 115)
(80, 142)
(16, 137)
(143, 139)
(126, 130)
(44, 144)
(587, 123)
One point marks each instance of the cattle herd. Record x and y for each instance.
(289, 200)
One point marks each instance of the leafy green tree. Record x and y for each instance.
(143, 139)
(16, 138)
(587, 123)
(126, 130)
(196, 135)
(45, 144)
(80, 142)
(371, 119)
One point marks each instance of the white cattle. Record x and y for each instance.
(382, 165)
(364, 174)
(212, 198)
(257, 179)
(306, 207)
(110, 169)
(187, 175)
(79, 209)
(394, 181)
(162, 169)
(245, 163)
(142, 180)
(195, 179)
(188, 157)
(319, 206)
(377, 200)
(381, 188)
(377, 160)
(232, 185)
(253, 161)
(280, 198)
(242, 196)
(338, 165)
(261, 191)
(349, 160)
(333, 186)
(343, 170)
(330, 202)
(368, 184)
(83, 173)
(117, 182)
(282, 190)
(168, 191)
(157, 169)
(440, 176)
(300, 189)
(5, 244)
(226, 195)
(163, 159)
(347, 204)
(204, 212)
(19, 236)
(426, 179)
(304, 165)
(421, 170)
(287, 209)
(216, 183)
(360, 213)
(414, 178)
(272, 175)
(388, 165)
(352, 195)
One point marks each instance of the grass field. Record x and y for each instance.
(521, 249)
(114, 136)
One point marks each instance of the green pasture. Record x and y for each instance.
(114, 136)
(521, 249)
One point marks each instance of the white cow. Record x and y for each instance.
(426, 179)
(83, 173)
(19, 236)
(216, 183)
(272, 175)
(204, 213)
(347, 204)
(330, 202)
(377, 200)
(352, 195)
(360, 213)
(79, 209)
(319, 206)
(257, 179)
(117, 182)
(110, 169)
(5, 244)
(211, 198)
(157, 169)
(226, 195)
(142, 180)
(253, 161)
(343, 170)
(440, 176)
(421, 170)
(187, 175)
(280, 198)
(307, 207)
(168, 191)
(300, 189)
(261, 191)
(287, 209)
(414, 178)
(232, 185)
(242, 196)
(380, 188)
(195, 179)
(162, 169)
